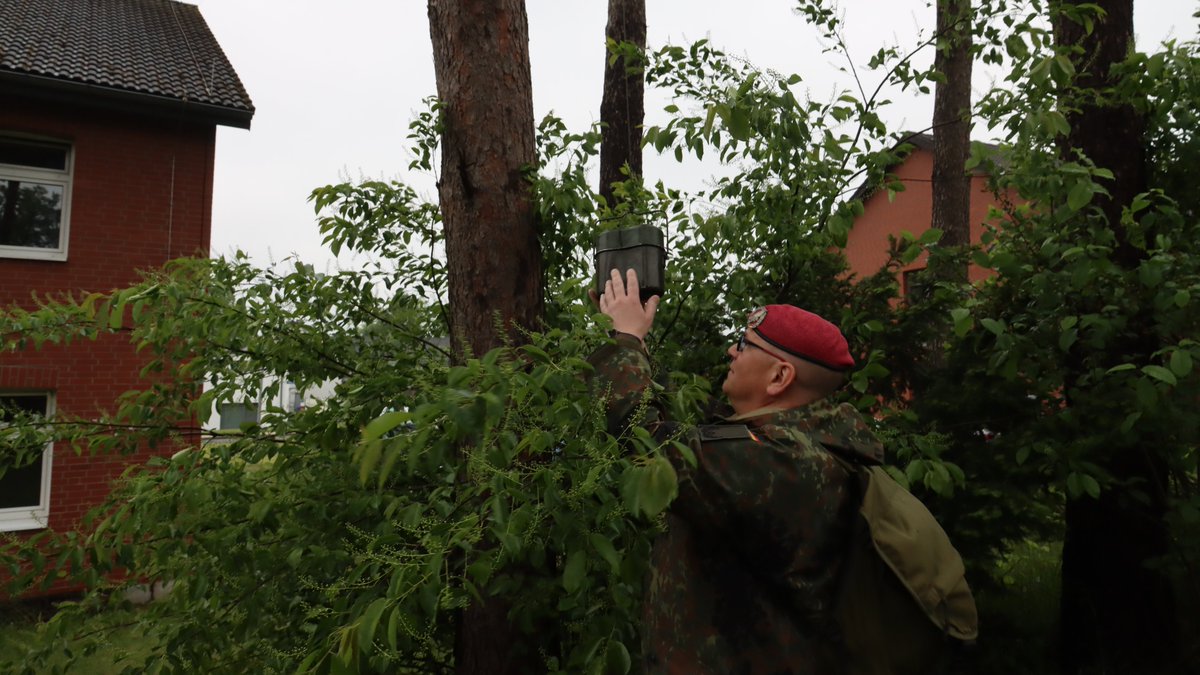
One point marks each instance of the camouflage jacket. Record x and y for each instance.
(742, 579)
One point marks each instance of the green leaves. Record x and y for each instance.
(368, 624)
(616, 659)
(604, 547)
(1161, 374)
(1080, 194)
(738, 121)
(648, 488)
(370, 448)
(994, 326)
(383, 424)
(499, 464)
(1181, 363)
(963, 321)
(574, 570)
(414, 487)
(1079, 484)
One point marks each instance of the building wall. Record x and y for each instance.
(911, 211)
(141, 194)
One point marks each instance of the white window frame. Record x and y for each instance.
(24, 518)
(61, 179)
(246, 409)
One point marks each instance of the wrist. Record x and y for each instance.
(620, 333)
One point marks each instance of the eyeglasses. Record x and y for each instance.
(743, 343)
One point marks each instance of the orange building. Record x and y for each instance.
(910, 210)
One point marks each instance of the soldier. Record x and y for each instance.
(743, 578)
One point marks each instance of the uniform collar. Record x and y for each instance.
(756, 417)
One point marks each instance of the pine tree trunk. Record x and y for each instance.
(952, 130)
(481, 61)
(951, 184)
(1118, 615)
(622, 109)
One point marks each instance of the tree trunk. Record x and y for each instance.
(1117, 614)
(622, 109)
(481, 61)
(1112, 136)
(952, 130)
(950, 184)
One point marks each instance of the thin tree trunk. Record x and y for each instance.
(952, 130)
(1117, 614)
(951, 184)
(481, 61)
(622, 109)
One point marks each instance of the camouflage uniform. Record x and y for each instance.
(742, 580)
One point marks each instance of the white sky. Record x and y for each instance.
(336, 84)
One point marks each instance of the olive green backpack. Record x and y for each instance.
(903, 600)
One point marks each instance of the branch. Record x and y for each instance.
(399, 329)
(279, 330)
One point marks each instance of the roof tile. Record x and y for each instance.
(156, 47)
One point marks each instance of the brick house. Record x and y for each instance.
(108, 115)
(908, 211)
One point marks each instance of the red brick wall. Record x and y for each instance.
(141, 194)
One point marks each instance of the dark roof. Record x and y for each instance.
(922, 141)
(919, 141)
(136, 51)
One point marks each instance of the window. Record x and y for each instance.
(35, 193)
(24, 491)
(234, 415)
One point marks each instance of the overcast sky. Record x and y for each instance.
(336, 84)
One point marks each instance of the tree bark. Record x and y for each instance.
(481, 61)
(952, 129)
(1111, 135)
(622, 109)
(493, 258)
(1117, 614)
(951, 184)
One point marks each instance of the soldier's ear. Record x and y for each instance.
(783, 374)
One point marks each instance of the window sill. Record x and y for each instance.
(18, 521)
(19, 253)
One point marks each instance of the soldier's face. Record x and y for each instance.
(749, 372)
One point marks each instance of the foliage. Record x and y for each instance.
(379, 526)
(1066, 333)
(1020, 611)
(346, 537)
(122, 647)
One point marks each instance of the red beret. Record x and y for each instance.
(802, 334)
